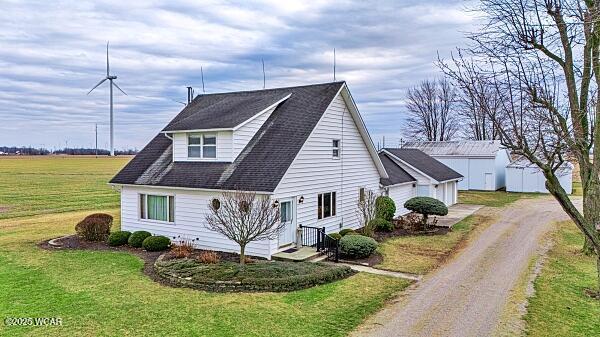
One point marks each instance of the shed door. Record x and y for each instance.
(489, 182)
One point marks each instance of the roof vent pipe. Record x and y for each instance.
(190, 92)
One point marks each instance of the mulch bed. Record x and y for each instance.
(370, 261)
(381, 236)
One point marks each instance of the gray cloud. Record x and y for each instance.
(53, 53)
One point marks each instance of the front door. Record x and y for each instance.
(287, 213)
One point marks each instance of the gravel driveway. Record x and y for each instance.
(466, 296)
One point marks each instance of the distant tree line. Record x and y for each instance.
(31, 151)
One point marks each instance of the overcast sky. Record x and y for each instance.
(53, 53)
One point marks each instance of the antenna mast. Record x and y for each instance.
(264, 76)
(202, 75)
(334, 64)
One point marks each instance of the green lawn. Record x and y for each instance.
(559, 304)
(106, 293)
(419, 254)
(492, 198)
(50, 184)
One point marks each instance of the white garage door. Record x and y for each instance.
(400, 194)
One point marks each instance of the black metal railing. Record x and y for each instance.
(316, 237)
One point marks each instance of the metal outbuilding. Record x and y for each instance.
(482, 163)
(524, 176)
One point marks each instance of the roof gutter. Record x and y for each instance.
(184, 188)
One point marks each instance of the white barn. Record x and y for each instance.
(524, 176)
(482, 163)
(413, 173)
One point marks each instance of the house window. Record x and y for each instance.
(202, 145)
(422, 190)
(336, 148)
(326, 205)
(361, 194)
(157, 207)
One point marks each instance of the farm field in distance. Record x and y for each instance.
(32, 185)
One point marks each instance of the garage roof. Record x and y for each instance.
(424, 163)
(397, 175)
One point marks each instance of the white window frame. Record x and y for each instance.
(201, 135)
(332, 205)
(335, 148)
(144, 217)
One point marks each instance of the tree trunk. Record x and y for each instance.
(588, 247)
(242, 254)
(425, 219)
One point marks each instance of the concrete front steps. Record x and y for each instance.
(298, 255)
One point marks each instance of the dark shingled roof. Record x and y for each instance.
(226, 110)
(424, 163)
(261, 164)
(396, 174)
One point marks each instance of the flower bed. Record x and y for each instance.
(228, 276)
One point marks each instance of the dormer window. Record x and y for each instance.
(202, 145)
(336, 149)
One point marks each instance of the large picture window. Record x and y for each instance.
(157, 207)
(326, 205)
(202, 145)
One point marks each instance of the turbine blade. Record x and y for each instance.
(96, 86)
(107, 65)
(113, 82)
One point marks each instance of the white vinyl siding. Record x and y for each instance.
(400, 194)
(244, 134)
(224, 143)
(314, 172)
(190, 208)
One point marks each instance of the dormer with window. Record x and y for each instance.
(219, 127)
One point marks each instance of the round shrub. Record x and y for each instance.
(385, 208)
(357, 246)
(381, 225)
(156, 243)
(426, 206)
(136, 239)
(346, 231)
(118, 238)
(94, 227)
(336, 236)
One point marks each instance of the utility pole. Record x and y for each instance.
(96, 129)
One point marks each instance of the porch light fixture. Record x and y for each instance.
(414, 185)
(276, 204)
(436, 186)
(301, 200)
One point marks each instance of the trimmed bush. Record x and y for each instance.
(95, 227)
(118, 238)
(426, 206)
(385, 208)
(336, 236)
(137, 238)
(346, 231)
(156, 243)
(382, 225)
(357, 246)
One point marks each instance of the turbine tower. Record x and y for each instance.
(111, 79)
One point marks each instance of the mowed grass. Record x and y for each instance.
(560, 304)
(420, 254)
(31, 185)
(106, 293)
(492, 198)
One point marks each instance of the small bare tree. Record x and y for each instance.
(366, 210)
(430, 111)
(244, 217)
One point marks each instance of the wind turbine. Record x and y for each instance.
(111, 79)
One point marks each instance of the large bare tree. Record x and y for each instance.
(244, 217)
(476, 97)
(543, 59)
(430, 111)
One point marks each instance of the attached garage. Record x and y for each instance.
(524, 176)
(413, 173)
